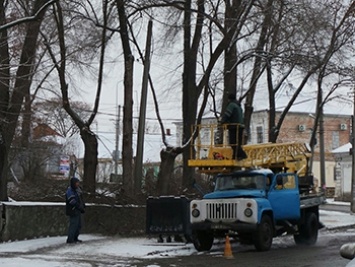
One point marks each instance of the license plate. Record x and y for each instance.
(218, 226)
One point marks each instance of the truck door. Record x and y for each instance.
(284, 197)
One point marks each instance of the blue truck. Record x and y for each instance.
(255, 206)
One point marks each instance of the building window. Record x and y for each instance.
(259, 134)
(335, 139)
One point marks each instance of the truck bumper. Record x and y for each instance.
(235, 226)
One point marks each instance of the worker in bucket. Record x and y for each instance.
(234, 117)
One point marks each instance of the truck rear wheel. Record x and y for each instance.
(203, 240)
(308, 232)
(263, 236)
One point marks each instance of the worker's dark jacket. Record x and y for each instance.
(74, 202)
(233, 113)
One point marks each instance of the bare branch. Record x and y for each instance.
(101, 67)
(27, 19)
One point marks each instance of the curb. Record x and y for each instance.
(341, 227)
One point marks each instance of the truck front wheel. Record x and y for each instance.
(203, 240)
(308, 232)
(263, 236)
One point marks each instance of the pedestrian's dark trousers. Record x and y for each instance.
(238, 152)
(74, 228)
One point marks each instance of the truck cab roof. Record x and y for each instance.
(249, 171)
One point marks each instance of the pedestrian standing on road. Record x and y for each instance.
(234, 117)
(75, 207)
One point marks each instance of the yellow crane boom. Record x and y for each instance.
(211, 153)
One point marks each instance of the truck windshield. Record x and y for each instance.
(256, 182)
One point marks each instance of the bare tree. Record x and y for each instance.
(12, 94)
(88, 137)
(340, 32)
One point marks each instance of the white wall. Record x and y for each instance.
(329, 172)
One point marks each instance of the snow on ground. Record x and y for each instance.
(52, 251)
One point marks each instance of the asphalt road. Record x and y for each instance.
(284, 252)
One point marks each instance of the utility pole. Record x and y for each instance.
(321, 138)
(352, 202)
(116, 156)
(321, 148)
(138, 169)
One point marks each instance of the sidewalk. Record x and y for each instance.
(331, 201)
(336, 219)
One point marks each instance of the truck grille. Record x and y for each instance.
(219, 211)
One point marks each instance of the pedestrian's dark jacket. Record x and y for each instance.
(233, 113)
(73, 198)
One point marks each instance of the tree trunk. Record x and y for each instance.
(90, 159)
(190, 92)
(5, 65)
(230, 57)
(23, 74)
(4, 100)
(272, 91)
(166, 171)
(127, 151)
(272, 105)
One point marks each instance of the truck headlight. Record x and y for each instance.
(195, 213)
(248, 212)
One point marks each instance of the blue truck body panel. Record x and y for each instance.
(263, 206)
